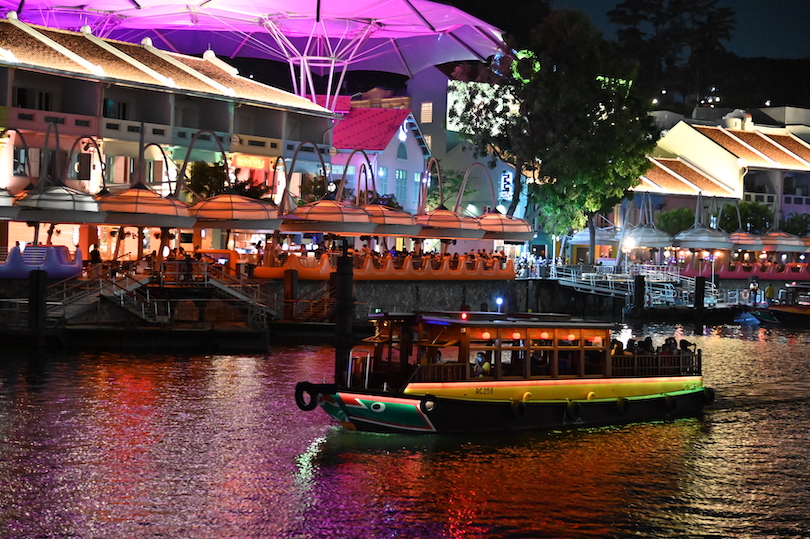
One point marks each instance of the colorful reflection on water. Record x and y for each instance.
(120, 445)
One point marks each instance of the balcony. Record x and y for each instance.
(113, 128)
(66, 124)
(181, 136)
(254, 145)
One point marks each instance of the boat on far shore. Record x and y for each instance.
(481, 372)
(791, 307)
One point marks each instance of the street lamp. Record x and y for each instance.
(499, 302)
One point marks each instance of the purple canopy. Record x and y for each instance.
(323, 37)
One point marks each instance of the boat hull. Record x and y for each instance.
(786, 315)
(429, 414)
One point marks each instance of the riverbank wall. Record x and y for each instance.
(109, 327)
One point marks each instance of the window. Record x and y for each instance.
(402, 186)
(402, 152)
(428, 141)
(382, 180)
(26, 98)
(20, 158)
(426, 115)
(115, 109)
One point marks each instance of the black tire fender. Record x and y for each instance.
(573, 411)
(309, 389)
(623, 404)
(428, 404)
(518, 410)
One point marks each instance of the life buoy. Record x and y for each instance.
(573, 411)
(306, 388)
(708, 395)
(744, 295)
(519, 410)
(623, 404)
(428, 404)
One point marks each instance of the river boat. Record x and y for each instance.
(791, 307)
(545, 371)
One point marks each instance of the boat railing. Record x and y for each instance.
(681, 364)
(621, 366)
(440, 372)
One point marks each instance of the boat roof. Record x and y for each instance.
(482, 319)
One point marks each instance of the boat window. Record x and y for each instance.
(567, 338)
(541, 338)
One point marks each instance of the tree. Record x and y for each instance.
(490, 115)
(451, 185)
(756, 218)
(207, 180)
(674, 221)
(677, 44)
(798, 225)
(211, 179)
(591, 129)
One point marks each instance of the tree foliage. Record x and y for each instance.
(451, 185)
(756, 218)
(674, 221)
(593, 131)
(574, 124)
(211, 179)
(677, 43)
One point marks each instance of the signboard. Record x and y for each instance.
(507, 186)
(250, 161)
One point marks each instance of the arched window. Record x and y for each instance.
(402, 152)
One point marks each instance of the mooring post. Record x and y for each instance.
(344, 313)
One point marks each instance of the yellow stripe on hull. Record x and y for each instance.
(556, 389)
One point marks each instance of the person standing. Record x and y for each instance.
(768, 295)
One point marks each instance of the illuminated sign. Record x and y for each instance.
(507, 186)
(251, 161)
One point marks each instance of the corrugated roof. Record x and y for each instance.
(28, 50)
(725, 139)
(37, 55)
(113, 66)
(770, 148)
(368, 129)
(676, 177)
(791, 144)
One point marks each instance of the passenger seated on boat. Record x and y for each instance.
(669, 348)
(687, 347)
(646, 347)
(632, 348)
(539, 362)
(481, 367)
(564, 363)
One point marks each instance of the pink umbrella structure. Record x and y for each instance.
(314, 37)
(442, 223)
(329, 216)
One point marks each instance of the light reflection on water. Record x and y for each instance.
(118, 445)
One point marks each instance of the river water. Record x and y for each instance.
(137, 446)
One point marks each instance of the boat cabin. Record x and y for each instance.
(466, 346)
(794, 294)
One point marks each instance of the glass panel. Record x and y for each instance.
(567, 338)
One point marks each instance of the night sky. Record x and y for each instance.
(769, 28)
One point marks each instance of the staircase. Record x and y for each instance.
(262, 304)
(72, 297)
(318, 305)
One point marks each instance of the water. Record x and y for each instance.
(133, 446)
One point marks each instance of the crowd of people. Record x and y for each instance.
(645, 347)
